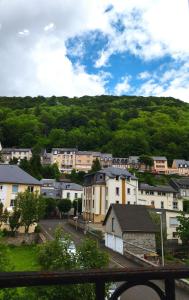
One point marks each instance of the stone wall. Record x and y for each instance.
(141, 240)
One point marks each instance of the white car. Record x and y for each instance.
(71, 248)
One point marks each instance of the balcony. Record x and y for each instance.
(128, 278)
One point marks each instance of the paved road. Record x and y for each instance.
(116, 260)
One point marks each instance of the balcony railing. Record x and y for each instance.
(130, 277)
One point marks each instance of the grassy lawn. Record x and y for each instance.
(23, 258)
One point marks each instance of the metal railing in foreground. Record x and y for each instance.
(130, 277)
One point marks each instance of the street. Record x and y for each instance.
(116, 260)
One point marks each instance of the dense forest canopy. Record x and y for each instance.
(123, 126)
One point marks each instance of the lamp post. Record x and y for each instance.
(162, 246)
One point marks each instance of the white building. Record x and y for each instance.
(106, 187)
(61, 190)
(18, 153)
(161, 197)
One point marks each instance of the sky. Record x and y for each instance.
(94, 47)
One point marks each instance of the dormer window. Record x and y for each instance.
(117, 177)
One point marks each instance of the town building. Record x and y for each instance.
(14, 180)
(105, 187)
(180, 167)
(129, 228)
(19, 153)
(65, 158)
(84, 160)
(160, 196)
(181, 185)
(61, 189)
(120, 162)
(160, 165)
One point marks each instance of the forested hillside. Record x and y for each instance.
(126, 125)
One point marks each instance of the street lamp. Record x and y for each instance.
(162, 246)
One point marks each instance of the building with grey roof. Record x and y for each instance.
(160, 197)
(105, 187)
(14, 180)
(129, 228)
(14, 174)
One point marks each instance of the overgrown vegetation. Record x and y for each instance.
(139, 125)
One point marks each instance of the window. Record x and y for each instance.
(12, 203)
(152, 203)
(175, 205)
(93, 190)
(106, 191)
(93, 203)
(162, 204)
(141, 192)
(1, 187)
(163, 194)
(117, 202)
(147, 193)
(117, 177)
(15, 188)
(128, 191)
(30, 189)
(151, 193)
(117, 191)
(68, 195)
(175, 235)
(113, 220)
(75, 195)
(128, 202)
(106, 205)
(173, 222)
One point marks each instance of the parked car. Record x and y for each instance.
(71, 248)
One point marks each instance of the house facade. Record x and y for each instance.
(106, 187)
(181, 185)
(61, 190)
(161, 197)
(18, 153)
(14, 180)
(65, 158)
(160, 164)
(129, 228)
(180, 167)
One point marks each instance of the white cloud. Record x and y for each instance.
(49, 27)
(171, 83)
(143, 75)
(150, 29)
(25, 32)
(40, 64)
(123, 86)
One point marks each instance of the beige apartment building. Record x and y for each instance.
(160, 164)
(84, 160)
(159, 197)
(65, 158)
(18, 153)
(180, 167)
(14, 180)
(106, 187)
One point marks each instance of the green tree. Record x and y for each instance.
(95, 166)
(147, 161)
(64, 206)
(55, 256)
(50, 206)
(183, 228)
(31, 207)
(13, 161)
(14, 221)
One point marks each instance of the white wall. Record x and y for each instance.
(72, 194)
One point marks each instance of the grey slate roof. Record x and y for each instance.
(158, 188)
(180, 162)
(159, 158)
(132, 218)
(180, 182)
(70, 186)
(16, 150)
(14, 174)
(113, 172)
